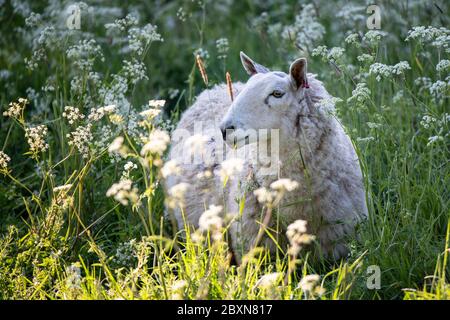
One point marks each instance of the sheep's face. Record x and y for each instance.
(267, 101)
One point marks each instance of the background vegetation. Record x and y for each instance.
(75, 242)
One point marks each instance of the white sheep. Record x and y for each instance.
(313, 151)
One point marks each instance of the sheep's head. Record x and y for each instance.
(268, 100)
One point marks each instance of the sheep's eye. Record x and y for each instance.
(277, 94)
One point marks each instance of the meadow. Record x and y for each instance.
(82, 206)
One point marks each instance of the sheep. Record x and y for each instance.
(313, 150)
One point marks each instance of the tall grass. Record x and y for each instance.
(62, 237)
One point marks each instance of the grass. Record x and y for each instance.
(80, 244)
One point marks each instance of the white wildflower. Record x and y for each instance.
(170, 168)
(123, 192)
(269, 280)
(211, 221)
(157, 103)
(296, 233)
(264, 195)
(4, 160)
(282, 185)
(443, 65)
(222, 48)
(379, 69)
(195, 144)
(230, 167)
(157, 143)
(116, 145)
(306, 30)
(374, 36)
(365, 58)
(352, 38)
(15, 109)
(309, 282)
(134, 70)
(176, 194)
(81, 139)
(36, 138)
(62, 188)
(360, 94)
(97, 114)
(72, 114)
(439, 88)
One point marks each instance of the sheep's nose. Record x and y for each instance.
(224, 130)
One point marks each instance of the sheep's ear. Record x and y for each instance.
(297, 72)
(251, 66)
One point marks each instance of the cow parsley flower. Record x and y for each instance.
(211, 221)
(36, 138)
(134, 70)
(360, 94)
(157, 143)
(269, 280)
(374, 36)
(309, 282)
(306, 29)
(298, 237)
(72, 114)
(170, 168)
(353, 38)
(97, 114)
(283, 185)
(16, 109)
(426, 34)
(222, 48)
(140, 38)
(155, 109)
(439, 88)
(383, 70)
(4, 161)
(264, 196)
(81, 139)
(230, 167)
(195, 144)
(176, 195)
(124, 192)
(443, 65)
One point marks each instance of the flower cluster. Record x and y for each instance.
(140, 38)
(36, 138)
(81, 139)
(156, 144)
(230, 168)
(272, 196)
(134, 70)
(176, 195)
(306, 29)
(15, 109)
(170, 168)
(124, 192)
(97, 114)
(4, 160)
(211, 221)
(298, 236)
(222, 48)
(72, 114)
(154, 110)
(334, 54)
(379, 69)
(360, 94)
